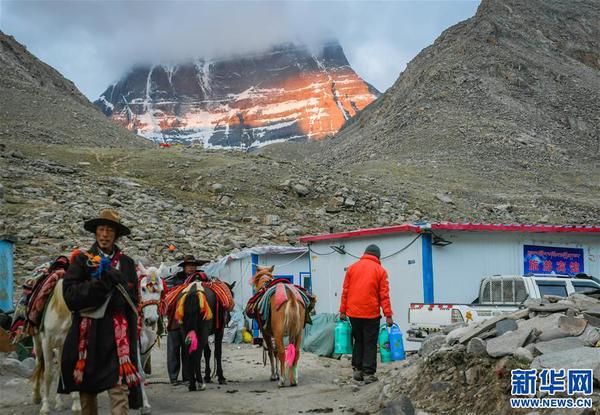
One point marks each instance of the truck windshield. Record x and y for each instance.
(552, 288)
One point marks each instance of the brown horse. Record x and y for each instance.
(287, 320)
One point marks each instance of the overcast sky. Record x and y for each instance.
(94, 43)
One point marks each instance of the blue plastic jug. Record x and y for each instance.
(396, 344)
(343, 337)
(384, 344)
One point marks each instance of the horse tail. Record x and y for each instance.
(191, 317)
(292, 325)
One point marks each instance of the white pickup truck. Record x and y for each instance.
(497, 294)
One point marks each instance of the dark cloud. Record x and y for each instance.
(94, 43)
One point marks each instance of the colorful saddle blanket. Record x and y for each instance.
(203, 304)
(37, 291)
(259, 306)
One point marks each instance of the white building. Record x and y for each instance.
(290, 262)
(444, 262)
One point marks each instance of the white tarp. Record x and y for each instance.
(214, 267)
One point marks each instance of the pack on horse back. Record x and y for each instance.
(37, 291)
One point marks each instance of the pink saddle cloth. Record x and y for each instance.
(281, 294)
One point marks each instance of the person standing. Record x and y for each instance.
(101, 348)
(366, 291)
(175, 338)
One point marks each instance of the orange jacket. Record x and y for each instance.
(366, 289)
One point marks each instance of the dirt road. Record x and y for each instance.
(324, 387)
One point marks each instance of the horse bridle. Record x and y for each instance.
(146, 303)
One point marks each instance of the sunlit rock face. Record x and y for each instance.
(287, 93)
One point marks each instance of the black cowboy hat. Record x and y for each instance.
(189, 259)
(107, 217)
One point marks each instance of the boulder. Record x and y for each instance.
(472, 375)
(552, 334)
(592, 320)
(558, 345)
(572, 325)
(523, 355)
(451, 327)
(593, 311)
(585, 303)
(301, 190)
(10, 366)
(431, 344)
(506, 344)
(349, 202)
(28, 365)
(454, 335)
(541, 323)
(441, 386)
(579, 358)
(486, 325)
(402, 405)
(549, 308)
(590, 336)
(505, 326)
(272, 220)
(334, 205)
(444, 198)
(476, 346)
(216, 188)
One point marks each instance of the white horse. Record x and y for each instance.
(48, 345)
(48, 342)
(151, 290)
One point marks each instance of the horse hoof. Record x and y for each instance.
(192, 388)
(203, 387)
(281, 384)
(222, 381)
(293, 384)
(146, 410)
(37, 400)
(207, 380)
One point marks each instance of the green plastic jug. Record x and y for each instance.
(343, 337)
(385, 351)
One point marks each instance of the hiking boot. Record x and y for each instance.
(370, 379)
(358, 375)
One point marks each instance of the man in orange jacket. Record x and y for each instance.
(366, 290)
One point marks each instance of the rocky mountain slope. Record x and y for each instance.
(519, 80)
(37, 104)
(500, 114)
(286, 93)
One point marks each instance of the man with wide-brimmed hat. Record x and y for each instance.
(175, 339)
(100, 351)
